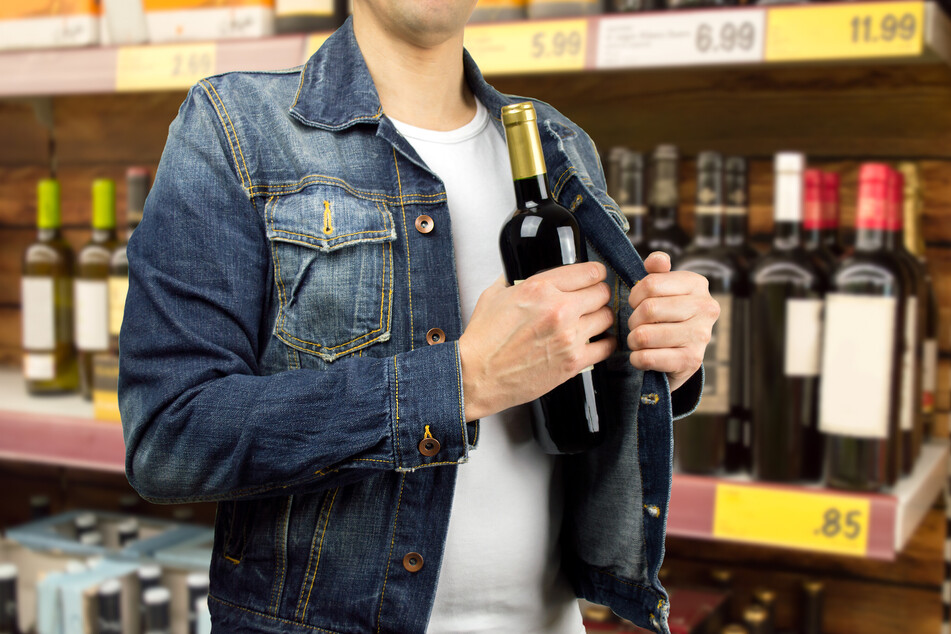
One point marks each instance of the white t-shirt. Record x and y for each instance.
(500, 571)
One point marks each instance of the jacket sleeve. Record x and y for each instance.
(200, 420)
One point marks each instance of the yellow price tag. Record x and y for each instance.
(314, 42)
(847, 31)
(160, 67)
(795, 519)
(526, 47)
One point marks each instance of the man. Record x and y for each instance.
(318, 338)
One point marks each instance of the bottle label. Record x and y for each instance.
(39, 366)
(910, 402)
(92, 314)
(736, 210)
(39, 316)
(716, 361)
(857, 365)
(929, 374)
(118, 289)
(634, 210)
(803, 336)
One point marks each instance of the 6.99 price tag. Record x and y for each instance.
(532, 46)
(162, 67)
(850, 31)
(797, 519)
(722, 36)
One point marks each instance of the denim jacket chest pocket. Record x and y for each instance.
(333, 268)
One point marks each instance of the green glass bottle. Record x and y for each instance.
(91, 290)
(49, 363)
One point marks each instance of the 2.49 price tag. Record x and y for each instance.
(162, 67)
(532, 46)
(797, 519)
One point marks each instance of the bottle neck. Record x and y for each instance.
(894, 239)
(736, 229)
(663, 217)
(48, 234)
(867, 240)
(100, 236)
(708, 230)
(529, 192)
(830, 237)
(787, 235)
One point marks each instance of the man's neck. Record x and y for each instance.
(422, 85)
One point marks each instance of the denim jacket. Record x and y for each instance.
(275, 358)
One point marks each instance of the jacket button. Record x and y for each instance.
(424, 224)
(413, 562)
(429, 447)
(434, 336)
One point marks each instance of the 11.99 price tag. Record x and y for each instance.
(849, 31)
(530, 46)
(797, 519)
(722, 36)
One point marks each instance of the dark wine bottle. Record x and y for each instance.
(915, 243)
(197, 591)
(756, 618)
(739, 450)
(916, 300)
(862, 348)
(830, 206)
(786, 332)
(700, 440)
(9, 612)
(110, 607)
(150, 578)
(158, 611)
(663, 232)
(814, 220)
(810, 610)
(626, 187)
(541, 235)
(91, 288)
(137, 188)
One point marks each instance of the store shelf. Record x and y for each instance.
(906, 30)
(56, 430)
(876, 526)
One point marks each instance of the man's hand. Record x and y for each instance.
(527, 339)
(672, 320)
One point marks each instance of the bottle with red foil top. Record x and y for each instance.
(916, 299)
(830, 214)
(814, 219)
(862, 350)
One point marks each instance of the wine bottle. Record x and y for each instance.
(786, 308)
(701, 438)
(663, 232)
(109, 600)
(756, 618)
(49, 363)
(137, 187)
(91, 286)
(158, 609)
(150, 578)
(739, 451)
(814, 219)
(830, 212)
(915, 243)
(128, 531)
(626, 187)
(811, 596)
(197, 591)
(540, 235)
(916, 298)
(9, 614)
(865, 314)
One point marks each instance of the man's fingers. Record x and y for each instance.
(573, 277)
(658, 310)
(667, 360)
(657, 262)
(597, 351)
(666, 285)
(595, 323)
(677, 335)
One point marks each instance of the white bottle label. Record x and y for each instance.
(857, 365)
(910, 402)
(92, 314)
(929, 373)
(39, 366)
(803, 336)
(118, 289)
(39, 316)
(716, 362)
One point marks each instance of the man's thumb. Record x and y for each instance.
(657, 262)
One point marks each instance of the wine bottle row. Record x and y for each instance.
(823, 363)
(72, 304)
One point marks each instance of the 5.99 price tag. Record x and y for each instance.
(850, 31)
(532, 46)
(162, 67)
(722, 36)
(797, 519)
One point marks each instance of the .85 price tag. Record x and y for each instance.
(161, 67)
(795, 519)
(828, 32)
(542, 46)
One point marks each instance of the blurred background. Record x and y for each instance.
(797, 155)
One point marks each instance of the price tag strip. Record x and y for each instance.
(529, 46)
(811, 520)
(846, 31)
(163, 67)
(688, 38)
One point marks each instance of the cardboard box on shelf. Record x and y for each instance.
(190, 20)
(45, 23)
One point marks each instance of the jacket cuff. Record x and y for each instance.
(684, 400)
(429, 422)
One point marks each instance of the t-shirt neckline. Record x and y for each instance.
(466, 132)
